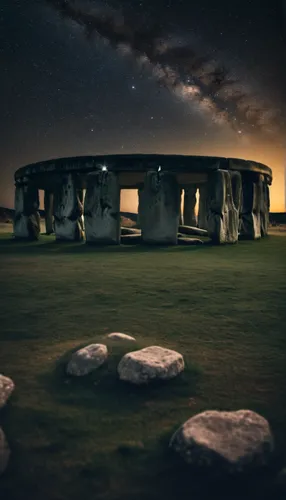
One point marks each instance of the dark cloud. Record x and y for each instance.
(194, 77)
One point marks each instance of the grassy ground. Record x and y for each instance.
(222, 308)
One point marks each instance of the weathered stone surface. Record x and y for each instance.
(203, 206)
(102, 209)
(264, 208)
(223, 214)
(193, 231)
(120, 336)
(143, 366)
(250, 224)
(7, 386)
(189, 241)
(27, 217)
(190, 201)
(68, 211)
(87, 359)
(4, 452)
(159, 208)
(229, 442)
(48, 205)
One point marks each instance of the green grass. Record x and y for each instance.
(96, 438)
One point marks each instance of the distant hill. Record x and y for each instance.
(7, 215)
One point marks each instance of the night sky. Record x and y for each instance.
(138, 76)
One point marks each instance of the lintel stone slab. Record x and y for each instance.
(102, 209)
(48, 205)
(159, 208)
(250, 226)
(27, 217)
(68, 210)
(223, 200)
(190, 201)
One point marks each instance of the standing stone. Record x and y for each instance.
(264, 208)
(190, 202)
(223, 213)
(68, 211)
(27, 217)
(181, 219)
(202, 215)
(159, 208)
(251, 207)
(48, 204)
(102, 209)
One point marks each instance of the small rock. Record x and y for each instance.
(87, 359)
(189, 241)
(7, 386)
(4, 452)
(232, 442)
(120, 336)
(145, 365)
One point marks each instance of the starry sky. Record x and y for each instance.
(85, 77)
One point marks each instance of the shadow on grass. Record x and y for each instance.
(50, 247)
(102, 388)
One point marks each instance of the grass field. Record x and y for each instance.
(96, 438)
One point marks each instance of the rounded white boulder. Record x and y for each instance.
(4, 452)
(232, 442)
(150, 363)
(120, 336)
(7, 386)
(87, 359)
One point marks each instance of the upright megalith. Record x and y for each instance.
(159, 208)
(68, 210)
(264, 208)
(27, 217)
(48, 205)
(224, 188)
(102, 208)
(190, 202)
(203, 208)
(250, 224)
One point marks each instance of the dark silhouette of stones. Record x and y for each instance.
(102, 208)
(159, 208)
(27, 217)
(264, 208)
(48, 204)
(250, 226)
(225, 442)
(68, 210)
(223, 215)
(203, 206)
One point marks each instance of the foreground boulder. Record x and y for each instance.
(4, 452)
(232, 442)
(7, 386)
(145, 365)
(120, 336)
(87, 359)
(189, 241)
